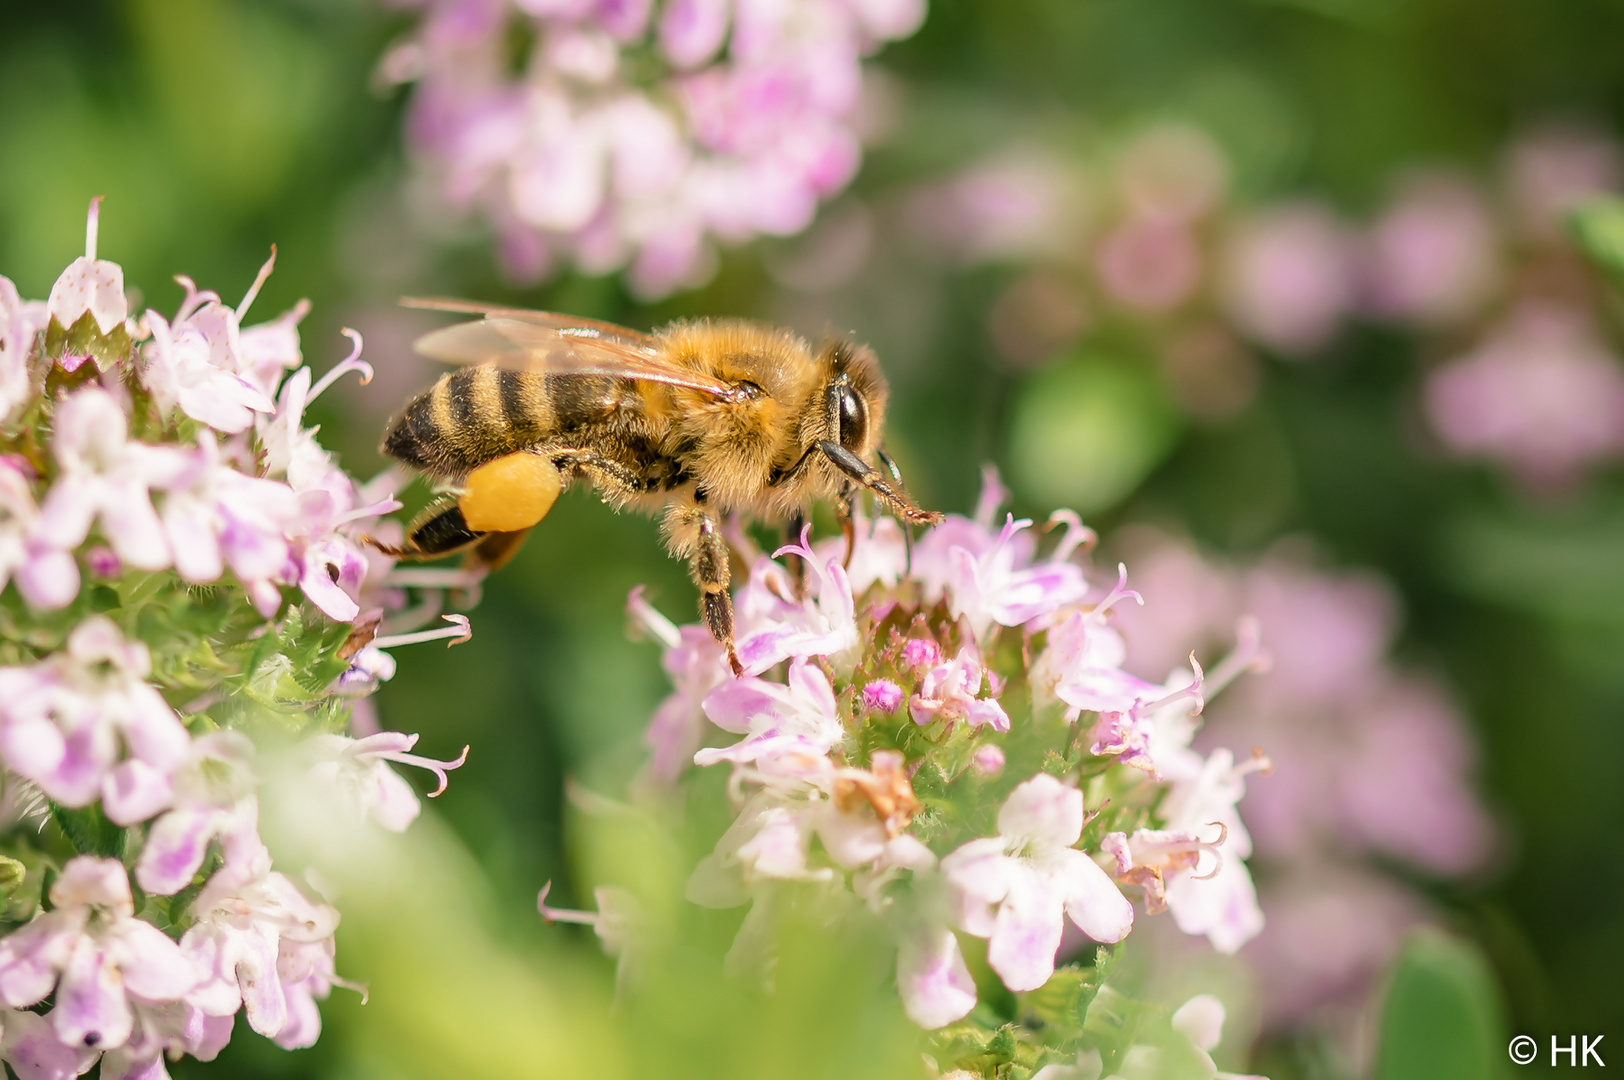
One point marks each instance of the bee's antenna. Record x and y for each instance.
(907, 526)
(890, 465)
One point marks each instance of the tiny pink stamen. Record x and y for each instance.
(1248, 655)
(459, 631)
(1259, 762)
(259, 280)
(428, 578)
(659, 627)
(1077, 534)
(803, 548)
(564, 915)
(1007, 533)
(433, 765)
(92, 227)
(195, 297)
(377, 509)
(1212, 848)
(352, 362)
(350, 984)
(1193, 691)
(1118, 593)
(993, 495)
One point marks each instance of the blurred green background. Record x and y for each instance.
(216, 128)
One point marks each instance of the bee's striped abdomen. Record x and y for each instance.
(470, 417)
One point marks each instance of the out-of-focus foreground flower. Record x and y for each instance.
(190, 579)
(635, 134)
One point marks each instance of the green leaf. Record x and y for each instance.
(1062, 1002)
(1598, 229)
(89, 831)
(1442, 1019)
(1001, 1047)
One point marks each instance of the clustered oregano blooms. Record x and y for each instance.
(944, 740)
(189, 592)
(636, 133)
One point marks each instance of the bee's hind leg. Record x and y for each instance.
(692, 533)
(499, 503)
(495, 549)
(439, 530)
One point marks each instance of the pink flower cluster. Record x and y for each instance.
(1373, 762)
(176, 457)
(914, 654)
(637, 133)
(1149, 235)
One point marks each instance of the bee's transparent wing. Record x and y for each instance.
(551, 319)
(559, 345)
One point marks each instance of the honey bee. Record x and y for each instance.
(695, 422)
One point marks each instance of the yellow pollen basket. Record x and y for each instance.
(510, 493)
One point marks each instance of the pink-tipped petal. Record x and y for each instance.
(932, 978)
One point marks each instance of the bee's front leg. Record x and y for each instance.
(846, 512)
(692, 533)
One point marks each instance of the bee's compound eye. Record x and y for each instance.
(853, 420)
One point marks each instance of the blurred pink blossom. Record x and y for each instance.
(1014, 205)
(1540, 395)
(988, 760)
(1369, 761)
(733, 119)
(1289, 276)
(1173, 171)
(20, 321)
(1328, 634)
(1150, 263)
(1433, 255)
(1311, 971)
(358, 769)
(1552, 169)
(1418, 812)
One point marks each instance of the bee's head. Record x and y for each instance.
(853, 398)
(853, 410)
